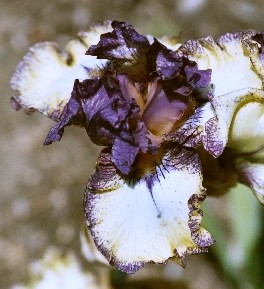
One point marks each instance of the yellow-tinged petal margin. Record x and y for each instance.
(246, 139)
(230, 59)
(237, 79)
(153, 215)
(44, 78)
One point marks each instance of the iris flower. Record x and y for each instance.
(57, 270)
(163, 112)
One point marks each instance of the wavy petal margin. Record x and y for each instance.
(230, 60)
(236, 79)
(44, 78)
(193, 130)
(238, 126)
(153, 215)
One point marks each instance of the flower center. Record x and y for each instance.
(160, 105)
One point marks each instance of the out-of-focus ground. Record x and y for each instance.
(41, 188)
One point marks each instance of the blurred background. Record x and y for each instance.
(41, 188)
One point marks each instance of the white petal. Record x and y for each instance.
(234, 113)
(247, 131)
(229, 60)
(89, 250)
(92, 34)
(193, 131)
(173, 43)
(44, 78)
(253, 48)
(234, 120)
(152, 217)
(239, 126)
(56, 271)
(170, 42)
(252, 174)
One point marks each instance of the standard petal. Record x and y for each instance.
(164, 110)
(151, 216)
(71, 111)
(126, 48)
(45, 77)
(122, 43)
(230, 61)
(167, 63)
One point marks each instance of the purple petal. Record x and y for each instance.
(127, 146)
(166, 108)
(141, 138)
(170, 65)
(197, 78)
(124, 155)
(71, 114)
(167, 63)
(259, 37)
(109, 119)
(122, 43)
(126, 48)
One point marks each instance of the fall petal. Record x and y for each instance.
(224, 122)
(254, 43)
(152, 215)
(88, 248)
(234, 115)
(246, 139)
(45, 77)
(246, 134)
(58, 269)
(252, 175)
(229, 60)
(193, 130)
(238, 127)
(235, 80)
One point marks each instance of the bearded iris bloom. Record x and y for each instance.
(161, 115)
